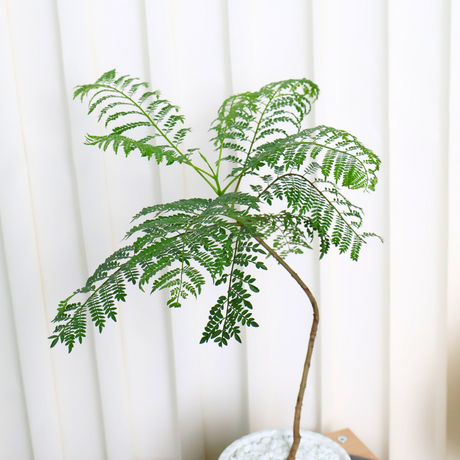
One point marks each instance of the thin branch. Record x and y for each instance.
(240, 176)
(230, 283)
(311, 343)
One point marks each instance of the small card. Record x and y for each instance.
(352, 444)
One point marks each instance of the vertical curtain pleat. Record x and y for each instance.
(14, 427)
(351, 71)
(15, 436)
(79, 64)
(453, 249)
(201, 82)
(141, 422)
(418, 98)
(41, 236)
(386, 362)
(171, 181)
(269, 42)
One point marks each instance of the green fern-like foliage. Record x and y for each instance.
(177, 246)
(123, 97)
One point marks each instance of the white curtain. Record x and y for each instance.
(387, 362)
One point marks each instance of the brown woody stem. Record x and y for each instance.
(311, 343)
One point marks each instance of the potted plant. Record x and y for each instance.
(260, 134)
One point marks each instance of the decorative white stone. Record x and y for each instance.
(275, 445)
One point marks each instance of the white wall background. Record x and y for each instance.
(387, 363)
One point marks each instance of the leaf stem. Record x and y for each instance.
(200, 171)
(235, 253)
(241, 174)
(219, 160)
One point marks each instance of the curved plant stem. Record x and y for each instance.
(311, 343)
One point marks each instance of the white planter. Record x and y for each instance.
(275, 445)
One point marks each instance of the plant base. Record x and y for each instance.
(275, 445)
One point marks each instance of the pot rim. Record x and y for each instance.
(249, 438)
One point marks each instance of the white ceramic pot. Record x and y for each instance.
(275, 445)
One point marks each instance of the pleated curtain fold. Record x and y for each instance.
(387, 360)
